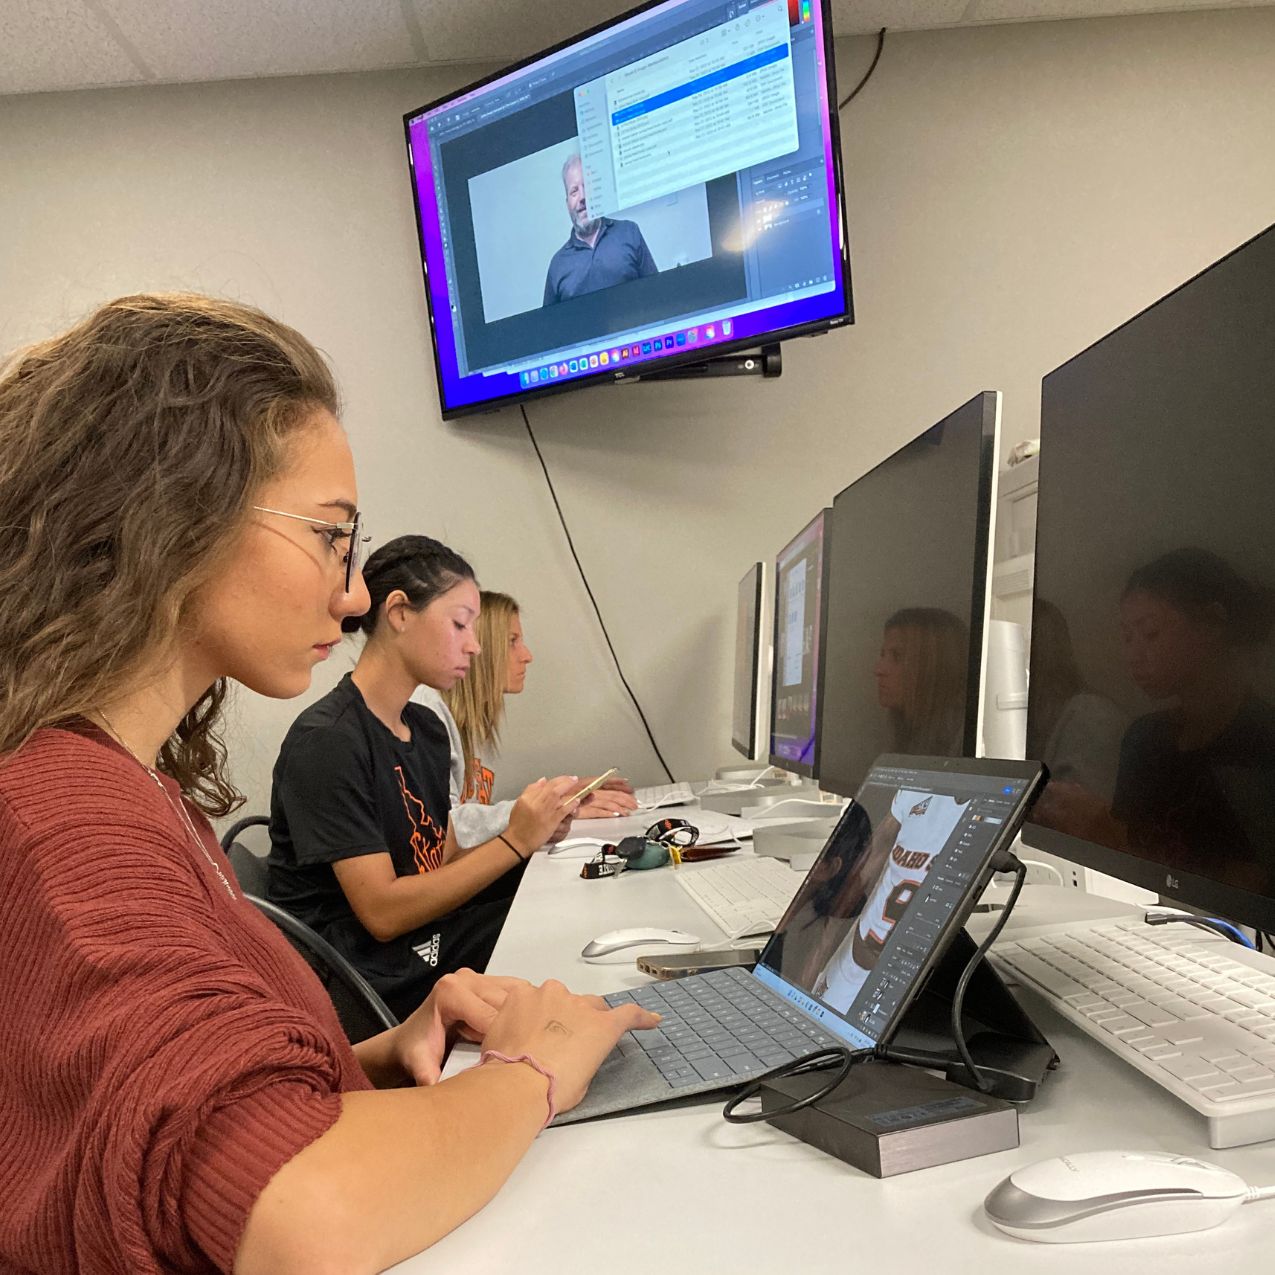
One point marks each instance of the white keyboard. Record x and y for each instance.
(743, 896)
(1194, 1013)
(678, 794)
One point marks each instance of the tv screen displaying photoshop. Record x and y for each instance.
(660, 190)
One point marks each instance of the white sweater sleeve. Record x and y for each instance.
(429, 698)
(472, 821)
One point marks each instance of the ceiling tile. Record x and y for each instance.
(506, 31)
(68, 44)
(228, 39)
(1037, 10)
(58, 44)
(851, 17)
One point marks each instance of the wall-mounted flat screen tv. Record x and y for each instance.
(661, 190)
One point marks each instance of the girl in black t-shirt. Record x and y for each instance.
(361, 845)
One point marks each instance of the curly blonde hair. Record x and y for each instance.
(129, 447)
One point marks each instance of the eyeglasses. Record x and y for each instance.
(352, 531)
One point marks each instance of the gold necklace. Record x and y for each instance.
(178, 807)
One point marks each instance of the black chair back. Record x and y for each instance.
(361, 1010)
(250, 869)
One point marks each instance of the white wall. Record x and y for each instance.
(1014, 193)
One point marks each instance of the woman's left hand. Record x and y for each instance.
(617, 783)
(462, 1005)
(615, 797)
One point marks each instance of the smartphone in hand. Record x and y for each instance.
(593, 784)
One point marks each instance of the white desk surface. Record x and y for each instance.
(681, 1190)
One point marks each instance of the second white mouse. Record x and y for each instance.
(620, 941)
(1114, 1195)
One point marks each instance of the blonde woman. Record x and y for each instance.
(921, 678)
(176, 1091)
(473, 711)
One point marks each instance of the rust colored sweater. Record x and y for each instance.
(163, 1050)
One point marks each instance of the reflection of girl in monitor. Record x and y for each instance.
(1075, 731)
(1192, 628)
(1196, 776)
(920, 676)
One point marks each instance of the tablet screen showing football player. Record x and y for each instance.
(905, 846)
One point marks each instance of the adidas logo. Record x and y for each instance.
(428, 951)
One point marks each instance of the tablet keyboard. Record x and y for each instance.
(719, 1026)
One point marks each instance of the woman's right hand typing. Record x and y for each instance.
(567, 1035)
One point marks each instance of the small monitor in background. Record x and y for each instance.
(752, 664)
(1152, 693)
(908, 600)
(801, 589)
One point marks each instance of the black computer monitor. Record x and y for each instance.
(908, 600)
(1152, 696)
(801, 589)
(752, 664)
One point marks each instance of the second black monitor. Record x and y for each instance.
(908, 598)
(801, 590)
(752, 665)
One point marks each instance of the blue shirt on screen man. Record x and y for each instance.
(600, 252)
(618, 254)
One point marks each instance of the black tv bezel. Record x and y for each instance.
(808, 769)
(758, 572)
(1214, 897)
(606, 376)
(984, 526)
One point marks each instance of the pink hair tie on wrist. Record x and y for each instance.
(492, 1055)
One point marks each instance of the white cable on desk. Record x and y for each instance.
(715, 787)
(568, 844)
(833, 807)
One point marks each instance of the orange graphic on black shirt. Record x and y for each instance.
(427, 837)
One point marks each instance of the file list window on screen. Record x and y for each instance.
(716, 103)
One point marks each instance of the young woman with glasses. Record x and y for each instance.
(363, 848)
(473, 708)
(176, 1092)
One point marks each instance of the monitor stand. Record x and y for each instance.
(743, 773)
(759, 794)
(1002, 1039)
(800, 840)
(767, 362)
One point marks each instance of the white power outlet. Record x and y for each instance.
(1090, 882)
(1073, 875)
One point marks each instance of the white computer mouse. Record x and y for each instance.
(578, 845)
(618, 942)
(1113, 1195)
